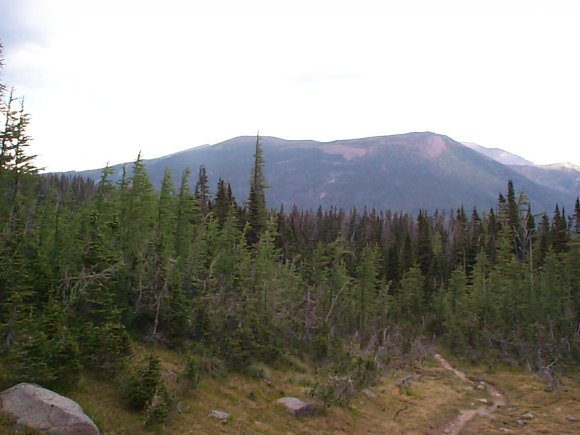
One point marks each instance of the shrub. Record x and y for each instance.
(145, 391)
(192, 370)
(212, 366)
(258, 371)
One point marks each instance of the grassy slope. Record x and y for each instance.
(432, 400)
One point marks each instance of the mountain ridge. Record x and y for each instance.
(499, 155)
(406, 172)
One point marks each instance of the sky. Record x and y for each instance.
(106, 79)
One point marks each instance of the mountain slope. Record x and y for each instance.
(402, 172)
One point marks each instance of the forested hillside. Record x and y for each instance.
(87, 269)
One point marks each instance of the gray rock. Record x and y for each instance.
(297, 407)
(528, 415)
(220, 415)
(571, 419)
(520, 422)
(368, 393)
(44, 410)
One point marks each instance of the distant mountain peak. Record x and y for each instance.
(502, 156)
(564, 165)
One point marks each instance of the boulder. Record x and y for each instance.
(297, 407)
(46, 411)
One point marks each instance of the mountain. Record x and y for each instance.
(563, 177)
(499, 155)
(404, 172)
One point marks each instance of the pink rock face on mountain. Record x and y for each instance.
(435, 146)
(348, 153)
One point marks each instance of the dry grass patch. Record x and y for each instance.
(526, 392)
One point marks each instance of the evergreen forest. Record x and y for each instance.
(87, 269)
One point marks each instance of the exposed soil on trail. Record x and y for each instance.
(454, 426)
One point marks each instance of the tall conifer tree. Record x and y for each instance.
(257, 213)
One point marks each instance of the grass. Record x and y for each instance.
(433, 398)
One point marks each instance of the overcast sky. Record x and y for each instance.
(104, 79)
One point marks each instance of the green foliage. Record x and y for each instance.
(45, 351)
(145, 391)
(364, 371)
(257, 213)
(212, 366)
(335, 390)
(193, 370)
(258, 370)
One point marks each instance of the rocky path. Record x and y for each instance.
(454, 426)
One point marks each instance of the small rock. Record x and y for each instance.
(504, 430)
(557, 409)
(520, 422)
(368, 393)
(297, 407)
(571, 419)
(220, 415)
(528, 416)
(480, 387)
(482, 400)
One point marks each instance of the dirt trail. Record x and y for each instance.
(454, 426)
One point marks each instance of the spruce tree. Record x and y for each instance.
(256, 206)
(202, 191)
(366, 289)
(577, 217)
